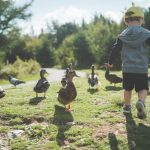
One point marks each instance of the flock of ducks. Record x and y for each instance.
(67, 93)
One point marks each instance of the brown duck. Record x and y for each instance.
(42, 85)
(64, 80)
(112, 78)
(68, 93)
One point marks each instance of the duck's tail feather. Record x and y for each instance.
(19, 82)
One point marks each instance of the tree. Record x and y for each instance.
(45, 53)
(147, 19)
(65, 52)
(17, 46)
(61, 32)
(101, 34)
(9, 13)
(82, 51)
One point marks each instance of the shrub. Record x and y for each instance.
(20, 68)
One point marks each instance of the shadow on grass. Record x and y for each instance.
(113, 141)
(36, 100)
(92, 91)
(148, 92)
(13, 88)
(60, 119)
(138, 134)
(113, 88)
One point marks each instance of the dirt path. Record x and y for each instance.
(55, 75)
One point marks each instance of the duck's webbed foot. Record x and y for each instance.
(68, 108)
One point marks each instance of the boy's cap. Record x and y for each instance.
(134, 11)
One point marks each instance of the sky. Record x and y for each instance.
(62, 11)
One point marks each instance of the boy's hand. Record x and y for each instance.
(108, 65)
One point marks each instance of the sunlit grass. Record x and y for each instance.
(99, 121)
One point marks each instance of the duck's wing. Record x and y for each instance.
(96, 79)
(114, 78)
(63, 96)
(42, 85)
(90, 79)
(93, 80)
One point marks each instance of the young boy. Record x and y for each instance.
(133, 43)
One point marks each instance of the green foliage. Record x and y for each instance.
(2, 57)
(61, 32)
(102, 34)
(65, 52)
(82, 51)
(45, 53)
(17, 47)
(20, 68)
(147, 18)
(9, 13)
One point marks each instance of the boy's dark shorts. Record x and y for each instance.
(135, 80)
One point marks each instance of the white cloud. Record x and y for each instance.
(68, 14)
(35, 25)
(62, 15)
(116, 16)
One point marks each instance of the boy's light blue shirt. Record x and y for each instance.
(134, 50)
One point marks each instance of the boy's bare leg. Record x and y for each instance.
(142, 95)
(127, 97)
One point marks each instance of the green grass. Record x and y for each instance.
(99, 121)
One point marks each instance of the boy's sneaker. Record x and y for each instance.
(141, 110)
(126, 108)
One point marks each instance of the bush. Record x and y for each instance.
(20, 68)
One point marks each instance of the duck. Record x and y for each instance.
(63, 80)
(68, 94)
(2, 92)
(112, 78)
(93, 78)
(70, 66)
(14, 81)
(42, 85)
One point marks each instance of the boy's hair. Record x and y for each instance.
(133, 19)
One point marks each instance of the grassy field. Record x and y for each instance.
(99, 123)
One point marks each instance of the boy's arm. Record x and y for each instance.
(114, 51)
(148, 41)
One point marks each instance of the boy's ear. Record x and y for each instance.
(143, 21)
(126, 23)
